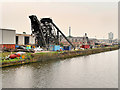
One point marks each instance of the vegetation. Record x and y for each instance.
(45, 56)
(47, 52)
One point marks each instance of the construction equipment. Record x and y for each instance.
(46, 32)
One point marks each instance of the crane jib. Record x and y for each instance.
(46, 32)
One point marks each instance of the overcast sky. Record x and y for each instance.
(95, 18)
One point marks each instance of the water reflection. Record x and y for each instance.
(93, 71)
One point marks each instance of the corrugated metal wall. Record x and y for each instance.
(8, 37)
(0, 36)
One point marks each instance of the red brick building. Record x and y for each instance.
(79, 41)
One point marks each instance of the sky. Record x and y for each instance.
(96, 19)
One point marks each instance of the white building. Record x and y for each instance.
(24, 39)
(110, 37)
(7, 38)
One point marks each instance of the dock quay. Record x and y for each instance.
(42, 57)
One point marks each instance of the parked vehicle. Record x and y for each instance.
(21, 47)
(38, 49)
(21, 53)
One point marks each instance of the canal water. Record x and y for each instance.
(92, 71)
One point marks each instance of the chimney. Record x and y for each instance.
(69, 31)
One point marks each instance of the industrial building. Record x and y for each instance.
(78, 41)
(7, 38)
(25, 39)
(110, 37)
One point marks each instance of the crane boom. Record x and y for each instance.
(46, 32)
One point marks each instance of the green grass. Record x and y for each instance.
(11, 60)
(4, 54)
(53, 55)
(47, 52)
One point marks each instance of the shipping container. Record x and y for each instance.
(54, 47)
(66, 47)
(51, 47)
(86, 46)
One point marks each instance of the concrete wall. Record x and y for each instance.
(7, 36)
(21, 40)
(32, 40)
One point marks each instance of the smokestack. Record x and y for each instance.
(69, 31)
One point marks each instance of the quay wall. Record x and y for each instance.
(69, 54)
(57, 56)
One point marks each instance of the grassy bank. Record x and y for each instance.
(41, 57)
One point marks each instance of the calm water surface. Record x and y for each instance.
(93, 71)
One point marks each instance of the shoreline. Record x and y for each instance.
(56, 56)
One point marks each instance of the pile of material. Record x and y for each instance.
(17, 55)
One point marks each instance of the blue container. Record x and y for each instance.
(51, 47)
(67, 48)
(54, 47)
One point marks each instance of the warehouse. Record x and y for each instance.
(7, 38)
(78, 41)
(25, 39)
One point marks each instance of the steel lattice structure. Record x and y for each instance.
(46, 32)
